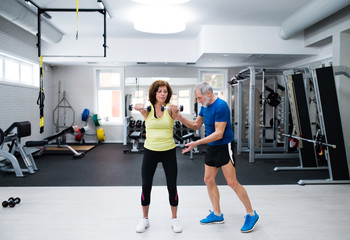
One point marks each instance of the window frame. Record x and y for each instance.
(190, 96)
(115, 121)
(35, 75)
(225, 86)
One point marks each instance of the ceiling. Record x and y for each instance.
(197, 12)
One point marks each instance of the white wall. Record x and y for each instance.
(18, 103)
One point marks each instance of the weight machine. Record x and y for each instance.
(329, 135)
(257, 147)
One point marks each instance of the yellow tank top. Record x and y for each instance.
(159, 132)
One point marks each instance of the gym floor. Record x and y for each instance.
(286, 212)
(98, 197)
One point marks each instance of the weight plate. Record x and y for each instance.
(85, 115)
(101, 135)
(78, 137)
(97, 120)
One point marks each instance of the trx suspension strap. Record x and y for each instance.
(41, 97)
(76, 35)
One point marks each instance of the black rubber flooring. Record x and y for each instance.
(107, 165)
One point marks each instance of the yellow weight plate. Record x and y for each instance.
(101, 135)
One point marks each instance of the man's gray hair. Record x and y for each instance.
(203, 87)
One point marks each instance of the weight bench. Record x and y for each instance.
(10, 163)
(46, 143)
(189, 138)
(135, 136)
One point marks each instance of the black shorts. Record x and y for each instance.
(220, 155)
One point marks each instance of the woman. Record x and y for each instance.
(159, 147)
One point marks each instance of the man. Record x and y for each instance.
(215, 114)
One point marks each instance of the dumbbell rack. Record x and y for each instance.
(180, 130)
(135, 132)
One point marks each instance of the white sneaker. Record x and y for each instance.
(143, 225)
(175, 224)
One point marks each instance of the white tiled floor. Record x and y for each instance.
(84, 213)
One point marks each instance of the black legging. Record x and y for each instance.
(149, 166)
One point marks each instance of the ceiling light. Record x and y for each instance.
(161, 2)
(160, 21)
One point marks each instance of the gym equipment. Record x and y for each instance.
(177, 124)
(138, 123)
(79, 136)
(80, 133)
(47, 143)
(250, 125)
(329, 140)
(12, 202)
(85, 115)
(101, 135)
(273, 99)
(180, 108)
(41, 97)
(42, 11)
(97, 120)
(189, 138)
(132, 123)
(135, 136)
(330, 124)
(2, 136)
(63, 104)
(148, 108)
(10, 163)
(317, 141)
(300, 113)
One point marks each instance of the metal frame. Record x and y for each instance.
(301, 167)
(45, 10)
(338, 70)
(252, 72)
(26, 157)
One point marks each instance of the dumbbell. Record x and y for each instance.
(138, 123)
(132, 123)
(148, 108)
(162, 108)
(11, 202)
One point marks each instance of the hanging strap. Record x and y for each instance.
(41, 96)
(77, 8)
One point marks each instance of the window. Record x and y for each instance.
(138, 97)
(11, 70)
(26, 74)
(17, 71)
(109, 95)
(184, 100)
(216, 79)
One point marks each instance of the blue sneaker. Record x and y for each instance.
(250, 222)
(212, 218)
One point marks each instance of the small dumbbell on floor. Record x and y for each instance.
(11, 202)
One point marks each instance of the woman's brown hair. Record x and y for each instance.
(154, 88)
